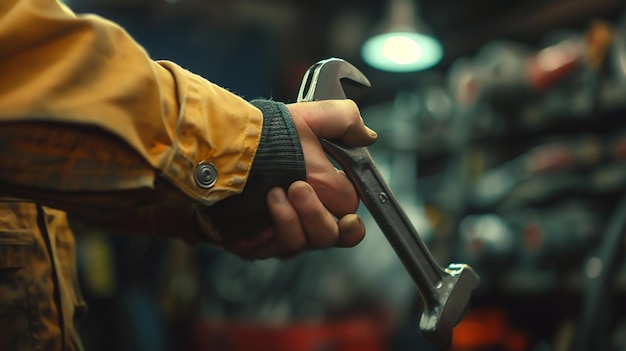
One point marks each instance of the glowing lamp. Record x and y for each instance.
(403, 43)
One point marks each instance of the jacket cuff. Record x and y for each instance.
(279, 161)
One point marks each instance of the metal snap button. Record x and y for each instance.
(206, 175)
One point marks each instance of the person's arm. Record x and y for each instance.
(90, 124)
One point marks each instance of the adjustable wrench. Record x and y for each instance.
(445, 292)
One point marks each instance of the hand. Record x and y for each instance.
(304, 217)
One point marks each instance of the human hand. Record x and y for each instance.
(305, 216)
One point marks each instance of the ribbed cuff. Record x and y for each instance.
(279, 154)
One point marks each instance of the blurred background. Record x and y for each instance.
(501, 133)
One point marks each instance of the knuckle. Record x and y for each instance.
(353, 110)
(351, 104)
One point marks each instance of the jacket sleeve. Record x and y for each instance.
(89, 123)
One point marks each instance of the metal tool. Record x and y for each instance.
(445, 292)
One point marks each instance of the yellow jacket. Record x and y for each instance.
(90, 124)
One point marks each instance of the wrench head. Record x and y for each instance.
(323, 80)
(438, 321)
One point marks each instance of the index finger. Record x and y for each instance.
(335, 119)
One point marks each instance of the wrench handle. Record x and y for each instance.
(392, 220)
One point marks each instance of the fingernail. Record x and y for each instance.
(277, 196)
(371, 133)
(349, 221)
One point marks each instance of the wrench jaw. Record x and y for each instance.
(323, 80)
(439, 318)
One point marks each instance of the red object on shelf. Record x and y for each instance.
(358, 334)
(552, 64)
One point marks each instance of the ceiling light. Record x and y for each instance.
(402, 43)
